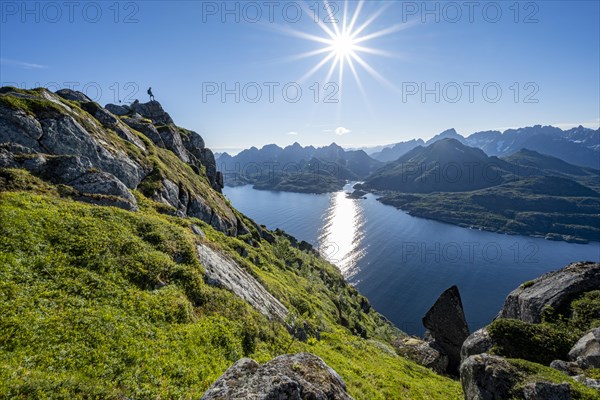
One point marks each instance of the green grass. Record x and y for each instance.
(83, 318)
(538, 373)
(32, 106)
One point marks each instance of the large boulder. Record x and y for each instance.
(586, 352)
(302, 376)
(478, 342)
(446, 325)
(547, 391)
(555, 289)
(422, 353)
(488, 377)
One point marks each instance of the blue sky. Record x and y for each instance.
(189, 51)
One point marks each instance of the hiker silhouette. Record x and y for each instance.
(150, 94)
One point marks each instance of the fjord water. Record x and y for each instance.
(402, 263)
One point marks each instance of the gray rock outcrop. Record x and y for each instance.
(302, 376)
(446, 325)
(568, 367)
(487, 377)
(73, 95)
(586, 352)
(547, 391)
(221, 270)
(113, 149)
(153, 111)
(119, 110)
(478, 342)
(422, 353)
(555, 289)
(93, 186)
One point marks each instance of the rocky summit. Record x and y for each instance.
(104, 156)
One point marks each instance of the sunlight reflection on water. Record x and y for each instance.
(341, 233)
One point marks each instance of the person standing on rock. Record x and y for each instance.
(150, 94)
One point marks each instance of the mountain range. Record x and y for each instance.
(296, 168)
(579, 146)
(526, 193)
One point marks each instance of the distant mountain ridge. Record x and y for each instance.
(296, 168)
(578, 146)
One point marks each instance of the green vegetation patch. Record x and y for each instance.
(98, 302)
(541, 343)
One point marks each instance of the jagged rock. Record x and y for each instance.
(119, 110)
(242, 252)
(152, 110)
(547, 391)
(198, 207)
(170, 193)
(59, 133)
(73, 95)
(65, 136)
(568, 367)
(302, 376)
(200, 155)
(487, 377)
(555, 289)
(109, 121)
(147, 129)
(446, 323)
(422, 353)
(172, 140)
(16, 126)
(220, 180)
(221, 270)
(586, 352)
(63, 130)
(478, 342)
(77, 172)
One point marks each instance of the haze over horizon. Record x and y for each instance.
(408, 71)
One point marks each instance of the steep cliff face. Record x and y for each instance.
(105, 153)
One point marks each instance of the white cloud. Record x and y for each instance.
(292, 133)
(21, 64)
(340, 130)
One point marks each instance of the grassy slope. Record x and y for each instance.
(82, 317)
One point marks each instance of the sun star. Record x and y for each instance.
(345, 43)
